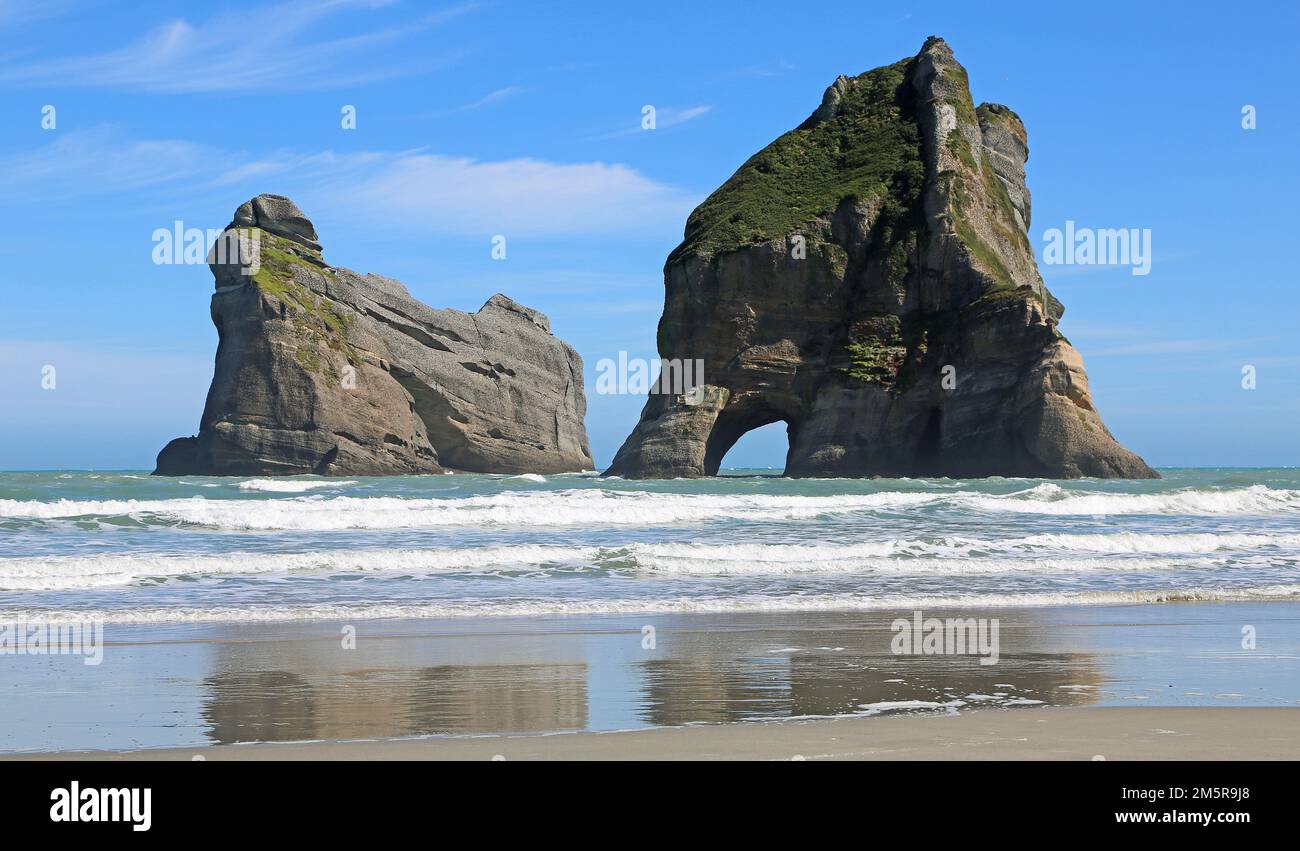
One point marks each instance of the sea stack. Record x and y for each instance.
(322, 370)
(868, 279)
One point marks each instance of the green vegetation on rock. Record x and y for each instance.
(876, 349)
(961, 100)
(1054, 307)
(961, 203)
(309, 357)
(869, 151)
(315, 317)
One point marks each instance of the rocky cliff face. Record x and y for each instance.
(868, 279)
(321, 370)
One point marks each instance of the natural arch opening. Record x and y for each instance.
(754, 440)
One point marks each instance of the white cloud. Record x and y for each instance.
(673, 117)
(665, 117)
(489, 98)
(18, 12)
(95, 162)
(411, 191)
(520, 197)
(263, 48)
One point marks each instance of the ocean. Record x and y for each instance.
(127, 548)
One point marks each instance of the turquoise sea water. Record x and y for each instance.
(129, 548)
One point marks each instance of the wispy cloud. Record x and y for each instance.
(264, 48)
(414, 191)
(490, 98)
(524, 197)
(665, 117)
(1129, 340)
(99, 161)
(17, 12)
(1176, 347)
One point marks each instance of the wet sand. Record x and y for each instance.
(1069, 682)
(1117, 733)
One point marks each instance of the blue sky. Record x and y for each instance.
(523, 119)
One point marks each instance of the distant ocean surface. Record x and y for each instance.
(129, 548)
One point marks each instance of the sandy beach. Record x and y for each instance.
(1167, 681)
(492, 382)
(1178, 733)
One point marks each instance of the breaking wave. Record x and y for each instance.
(949, 556)
(681, 605)
(289, 485)
(600, 507)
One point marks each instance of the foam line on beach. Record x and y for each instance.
(592, 506)
(682, 605)
(948, 556)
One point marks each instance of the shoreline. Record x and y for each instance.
(435, 688)
(383, 613)
(1058, 733)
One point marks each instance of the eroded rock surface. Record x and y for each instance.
(868, 279)
(321, 370)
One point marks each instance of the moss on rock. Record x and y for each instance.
(870, 150)
(314, 316)
(876, 350)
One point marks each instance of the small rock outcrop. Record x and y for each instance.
(868, 279)
(321, 370)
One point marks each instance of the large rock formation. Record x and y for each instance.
(321, 370)
(868, 279)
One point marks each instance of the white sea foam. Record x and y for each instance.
(289, 485)
(953, 556)
(604, 507)
(778, 559)
(1137, 542)
(1049, 498)
(679, 605)
(583, 507)
(55, 573)
(896, 705)
(956, 555)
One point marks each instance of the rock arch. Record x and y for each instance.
(868, 279)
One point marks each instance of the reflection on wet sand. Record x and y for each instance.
(271, 706)
(522, 698)
(188, 685)
(543, 681)
(737, 676)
